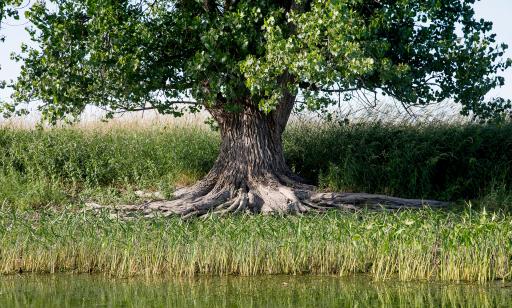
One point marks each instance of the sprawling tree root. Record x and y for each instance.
(262, 198)
(251, 175)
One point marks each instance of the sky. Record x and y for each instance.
(497, 11)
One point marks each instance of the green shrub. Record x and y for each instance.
(445, 161)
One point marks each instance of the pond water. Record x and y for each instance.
(264, 291)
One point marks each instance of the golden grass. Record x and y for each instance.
(130, 121)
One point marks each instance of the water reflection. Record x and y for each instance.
(267, 291)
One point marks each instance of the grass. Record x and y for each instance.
(40, 168)
(422, 245)
(48, 168)
(448, 161)
(46, 175)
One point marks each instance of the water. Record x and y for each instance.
(266, 291)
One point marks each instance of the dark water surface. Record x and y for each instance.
(265, 291)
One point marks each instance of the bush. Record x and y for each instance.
(445, 161)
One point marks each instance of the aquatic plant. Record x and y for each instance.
(420, 245)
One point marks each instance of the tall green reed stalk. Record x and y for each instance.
(421, 245)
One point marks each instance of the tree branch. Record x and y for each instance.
(313, 87)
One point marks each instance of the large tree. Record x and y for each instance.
(246, 62)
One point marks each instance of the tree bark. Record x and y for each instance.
(251, 149)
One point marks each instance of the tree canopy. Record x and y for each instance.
(246, 62)
(140, 54)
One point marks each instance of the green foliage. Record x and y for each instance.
(29, 193)
(106, 158)
(9, 8)
(406, 245)
(497, 197)
(98, 165)
(446, 161)
(409, 50)
(450, 162)
(131, 55)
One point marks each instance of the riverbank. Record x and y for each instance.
(473, 246)
(46, 177)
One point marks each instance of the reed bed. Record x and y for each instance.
(408, 245)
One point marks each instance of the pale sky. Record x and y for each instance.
(497, 11)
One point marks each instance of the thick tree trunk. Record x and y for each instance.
(251, 162)
(250, 175)
(251, 150)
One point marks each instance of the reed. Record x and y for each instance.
(422, 245)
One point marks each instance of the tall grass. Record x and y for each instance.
(422, 245)
(444, 161)
(78, 163)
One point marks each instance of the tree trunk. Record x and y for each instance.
(250, 175)
(251, 150)
(251, 162)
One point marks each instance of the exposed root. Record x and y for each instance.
(371, 201)
(265, 199)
